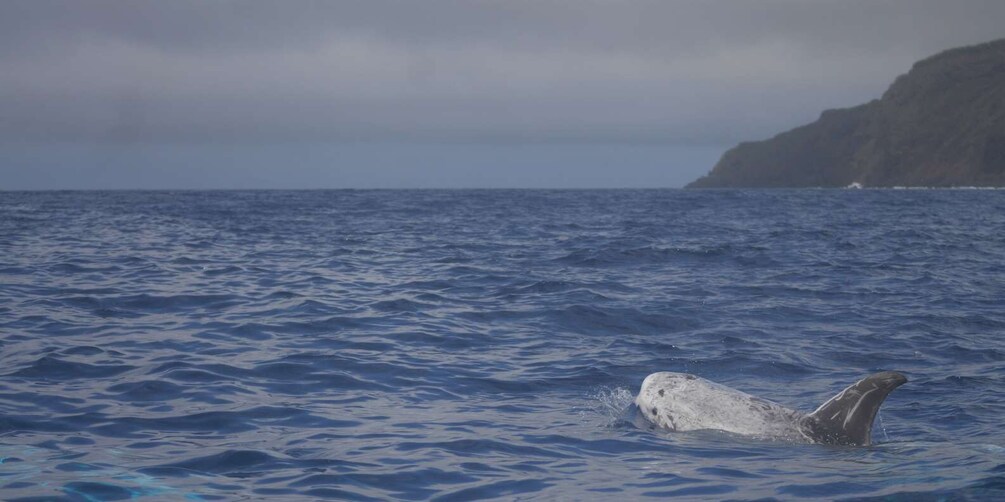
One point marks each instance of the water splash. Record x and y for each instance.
(879, 418)
(611, 405)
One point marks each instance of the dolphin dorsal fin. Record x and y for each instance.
(846, 419)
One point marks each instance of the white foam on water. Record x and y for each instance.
(610, 404)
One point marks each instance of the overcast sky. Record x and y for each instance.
(374, 93)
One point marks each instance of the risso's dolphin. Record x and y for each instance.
(682, 402)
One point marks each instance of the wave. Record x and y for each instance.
(454, 345)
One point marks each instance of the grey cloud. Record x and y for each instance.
(650, 71)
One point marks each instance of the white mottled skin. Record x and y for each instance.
(689, 403)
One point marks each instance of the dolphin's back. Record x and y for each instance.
(683, 402)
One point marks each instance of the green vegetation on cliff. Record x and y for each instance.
(941, 124)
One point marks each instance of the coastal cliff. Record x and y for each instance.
(941, 124)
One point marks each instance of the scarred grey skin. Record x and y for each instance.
(683, 402)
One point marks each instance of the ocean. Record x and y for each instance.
(468, 344)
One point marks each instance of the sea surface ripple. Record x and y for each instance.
(454, 345)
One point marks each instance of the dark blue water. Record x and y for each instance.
(454, 345)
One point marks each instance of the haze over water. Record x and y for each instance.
(466, 344)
